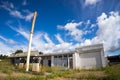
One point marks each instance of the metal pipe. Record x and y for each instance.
(30, 41)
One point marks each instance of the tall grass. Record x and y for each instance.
(113, 72)
(47, 73)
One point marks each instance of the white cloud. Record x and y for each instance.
(91, 2)
(38, 42)
(10, 41)
(48, 39)
(21, 31)
(108, 31)
(16, 13)
(92, 26)
(73, 30)
(8, 46)
(59, 38)
(4, 49)
(29, 17)
(86, 42)
(63, 47)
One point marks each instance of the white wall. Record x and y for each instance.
(76, 60)
(90, 60)
(104, 61)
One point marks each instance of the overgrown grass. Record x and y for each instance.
(52, 73)
(113, 72)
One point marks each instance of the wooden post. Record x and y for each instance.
(30, 41)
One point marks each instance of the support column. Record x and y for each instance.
(68, 61)
(103, 60)
(52, 61)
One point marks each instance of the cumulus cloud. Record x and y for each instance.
(73, 30)
(91, 2)
(108, 31)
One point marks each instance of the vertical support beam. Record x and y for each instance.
(74, 61)
(30, 41)
(103, 60)
(68, 61)
(52, 61)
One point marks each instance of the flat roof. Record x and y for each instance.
(55, 54)
(90, 47)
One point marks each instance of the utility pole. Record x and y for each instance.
(30, 41)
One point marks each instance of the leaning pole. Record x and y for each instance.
(30, 41)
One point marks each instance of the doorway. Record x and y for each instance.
(71, 63)
(49, 63)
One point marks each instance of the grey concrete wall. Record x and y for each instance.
(90, 60)
(45, 62)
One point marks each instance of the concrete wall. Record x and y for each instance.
(76, 61)
(61, 62)
(46, 60)
(90, 60)
(104, 60)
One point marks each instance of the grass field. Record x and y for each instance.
(11, 72)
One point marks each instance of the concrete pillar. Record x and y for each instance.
(68, 61)
(103, 60)
(62, 61)
(52, 61)
(74, 61)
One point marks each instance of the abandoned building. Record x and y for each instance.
(85, 57)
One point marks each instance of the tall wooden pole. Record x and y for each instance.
(30, 41)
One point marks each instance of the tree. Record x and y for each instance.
(3, 56)
(18, 51)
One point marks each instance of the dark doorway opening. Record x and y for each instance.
(49, 63)
(71, 63)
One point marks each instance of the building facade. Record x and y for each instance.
(85, 57)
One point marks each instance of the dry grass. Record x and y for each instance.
(8, 72)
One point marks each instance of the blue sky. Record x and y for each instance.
(60, 26)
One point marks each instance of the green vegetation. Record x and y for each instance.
(18, 51)
(3, 56)
(11, 72)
